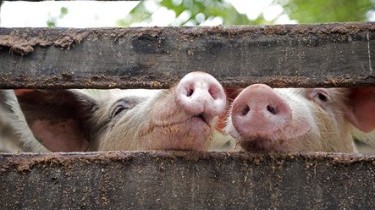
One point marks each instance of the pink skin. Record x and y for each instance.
(265, 114)
(263, 119)
(188, 112)
(201, 94)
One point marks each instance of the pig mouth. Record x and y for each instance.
(190, 132)
(194, 121)
(202, 118)
(261, 145)
(199, 123)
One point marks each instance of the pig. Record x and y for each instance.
(15, 135)
(180, 118)
(264, 119)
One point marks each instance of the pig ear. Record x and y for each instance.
(361, 108)
(58, 118)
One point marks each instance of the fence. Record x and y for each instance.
(329, 55)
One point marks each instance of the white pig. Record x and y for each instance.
(262, 119)
(179, 118)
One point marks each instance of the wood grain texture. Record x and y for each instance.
(186, 180)
(326, 55)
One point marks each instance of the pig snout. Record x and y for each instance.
(259, 112)
(200, 94)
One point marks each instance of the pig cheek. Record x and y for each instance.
(297, 128)
(302, 122)
(160, 109)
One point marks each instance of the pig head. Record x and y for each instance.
(180, 118)
(265, 119)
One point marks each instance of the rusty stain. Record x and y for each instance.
(67, 75)
(70, 39)
(23, 44)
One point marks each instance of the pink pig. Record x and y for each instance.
(265, 119)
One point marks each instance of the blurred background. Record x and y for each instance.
(83, 14)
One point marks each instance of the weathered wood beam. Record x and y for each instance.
(186, 180)
(341, 54)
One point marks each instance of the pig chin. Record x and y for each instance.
(304, 143)
(260, 144)
(279, 141)
(263, 145)
(193, 133)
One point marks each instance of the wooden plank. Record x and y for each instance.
(281, 55)
(186, 180)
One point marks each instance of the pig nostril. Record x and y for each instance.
(272, 109)
(245, 111)
(190, 92)
(213, 92)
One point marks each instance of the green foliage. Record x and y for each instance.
(199, 10)
(52, 21)
(138, 14)
(63, 11)
(303, 11)
(318, 11)
(202, 10)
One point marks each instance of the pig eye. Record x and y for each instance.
(319, 95)
(322, 97)
(117, 110)
(121, 106)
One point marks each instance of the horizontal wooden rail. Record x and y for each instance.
(326, 55)
(186, 180)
